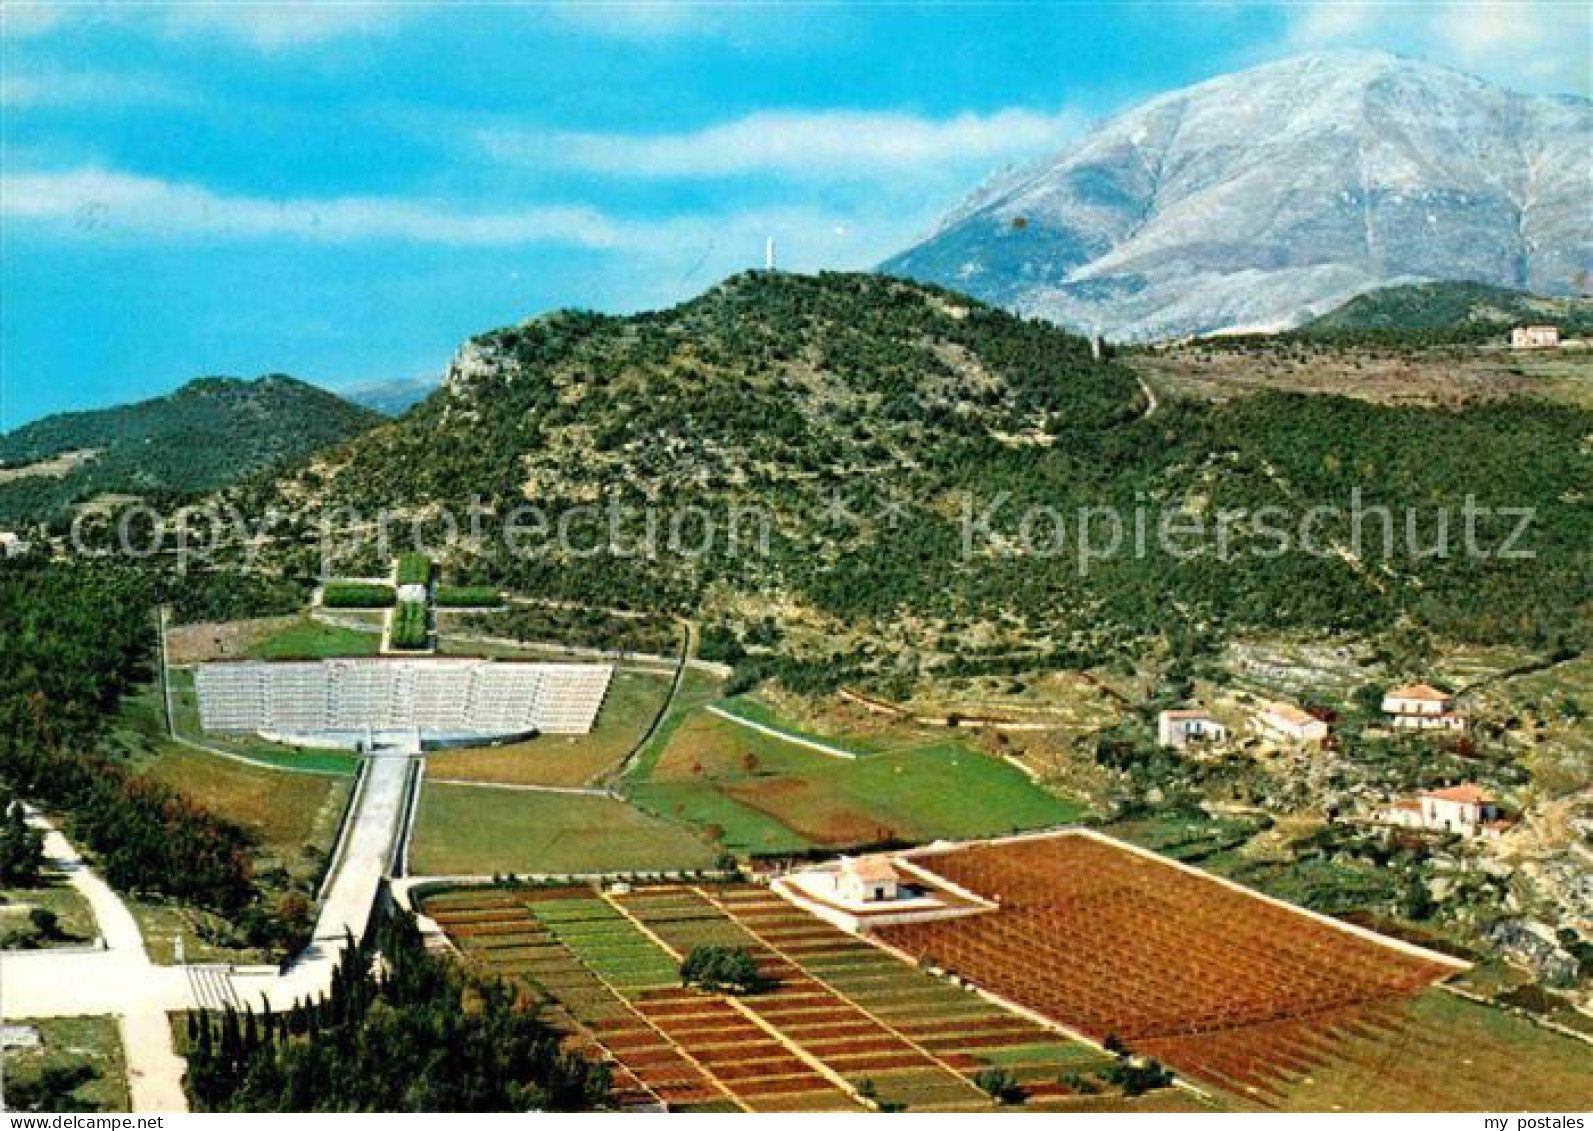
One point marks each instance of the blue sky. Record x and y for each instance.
(346, 191)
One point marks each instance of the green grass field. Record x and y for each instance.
(282, 812)
(740, 828)
(766, 795)
(70, 1043)
(697, 690)
(1451, 1055)
(634, 699)
(53, 894)
(311, 640)
(472, 830)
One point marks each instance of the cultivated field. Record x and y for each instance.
(1235, 991)
(839, 1026)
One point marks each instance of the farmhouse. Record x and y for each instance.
(870, 880)
(1464, 809)
(1535, 337)
(1419, 706)
(1285, 722)
(863, 893)
(364, 703)
(1179, 728)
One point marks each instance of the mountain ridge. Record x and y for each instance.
(1262, 198)
(203, 435)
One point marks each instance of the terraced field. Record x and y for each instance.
(842, 1025)
(1250, 997)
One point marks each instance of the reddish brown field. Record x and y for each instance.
(1110, 942)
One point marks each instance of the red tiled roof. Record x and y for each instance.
(1422, 691)
(870, 868)
(1467, 794)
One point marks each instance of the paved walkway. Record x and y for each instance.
(118, 979)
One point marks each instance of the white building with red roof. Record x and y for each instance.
(1284, 722)
(1178, 728)
(1420, 706)
(1466, 810)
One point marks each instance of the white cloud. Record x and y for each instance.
(640, 19)
(818, 144)
(93, 202)
(19, 19)
(275, 26)
(1544, 45)
(51, 87)
(264, 25)
(101, 205)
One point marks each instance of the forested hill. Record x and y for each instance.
(206, 434)
(765, 384)
(1459, 311)
(871, 418)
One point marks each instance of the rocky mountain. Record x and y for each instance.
(391, 398)
(1260, 199)
(205, 435)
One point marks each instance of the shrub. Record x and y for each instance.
(722, 969)
(1136, 1077)
(1000, 1085)
(357, 595)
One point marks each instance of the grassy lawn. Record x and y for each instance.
(697, 689)
(185, 716)
(768, 795)
(740, 828)
(292, 819)
(308, 639)
(53, 894)
(469, 830)
(162, 923)
(634, 699)
(283, 812)
(69, 1043)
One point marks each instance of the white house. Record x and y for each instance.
(11, 544)
(1419, 706)
(1464, 809)
(1535, 337)
(871, 879)
(1180, 727)
(1287, 723)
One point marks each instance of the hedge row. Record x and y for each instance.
(414, 569)
(409, 626)
(357, 595)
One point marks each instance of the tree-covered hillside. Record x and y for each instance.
(925, 462)
(1430, 313)
(207, 434)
